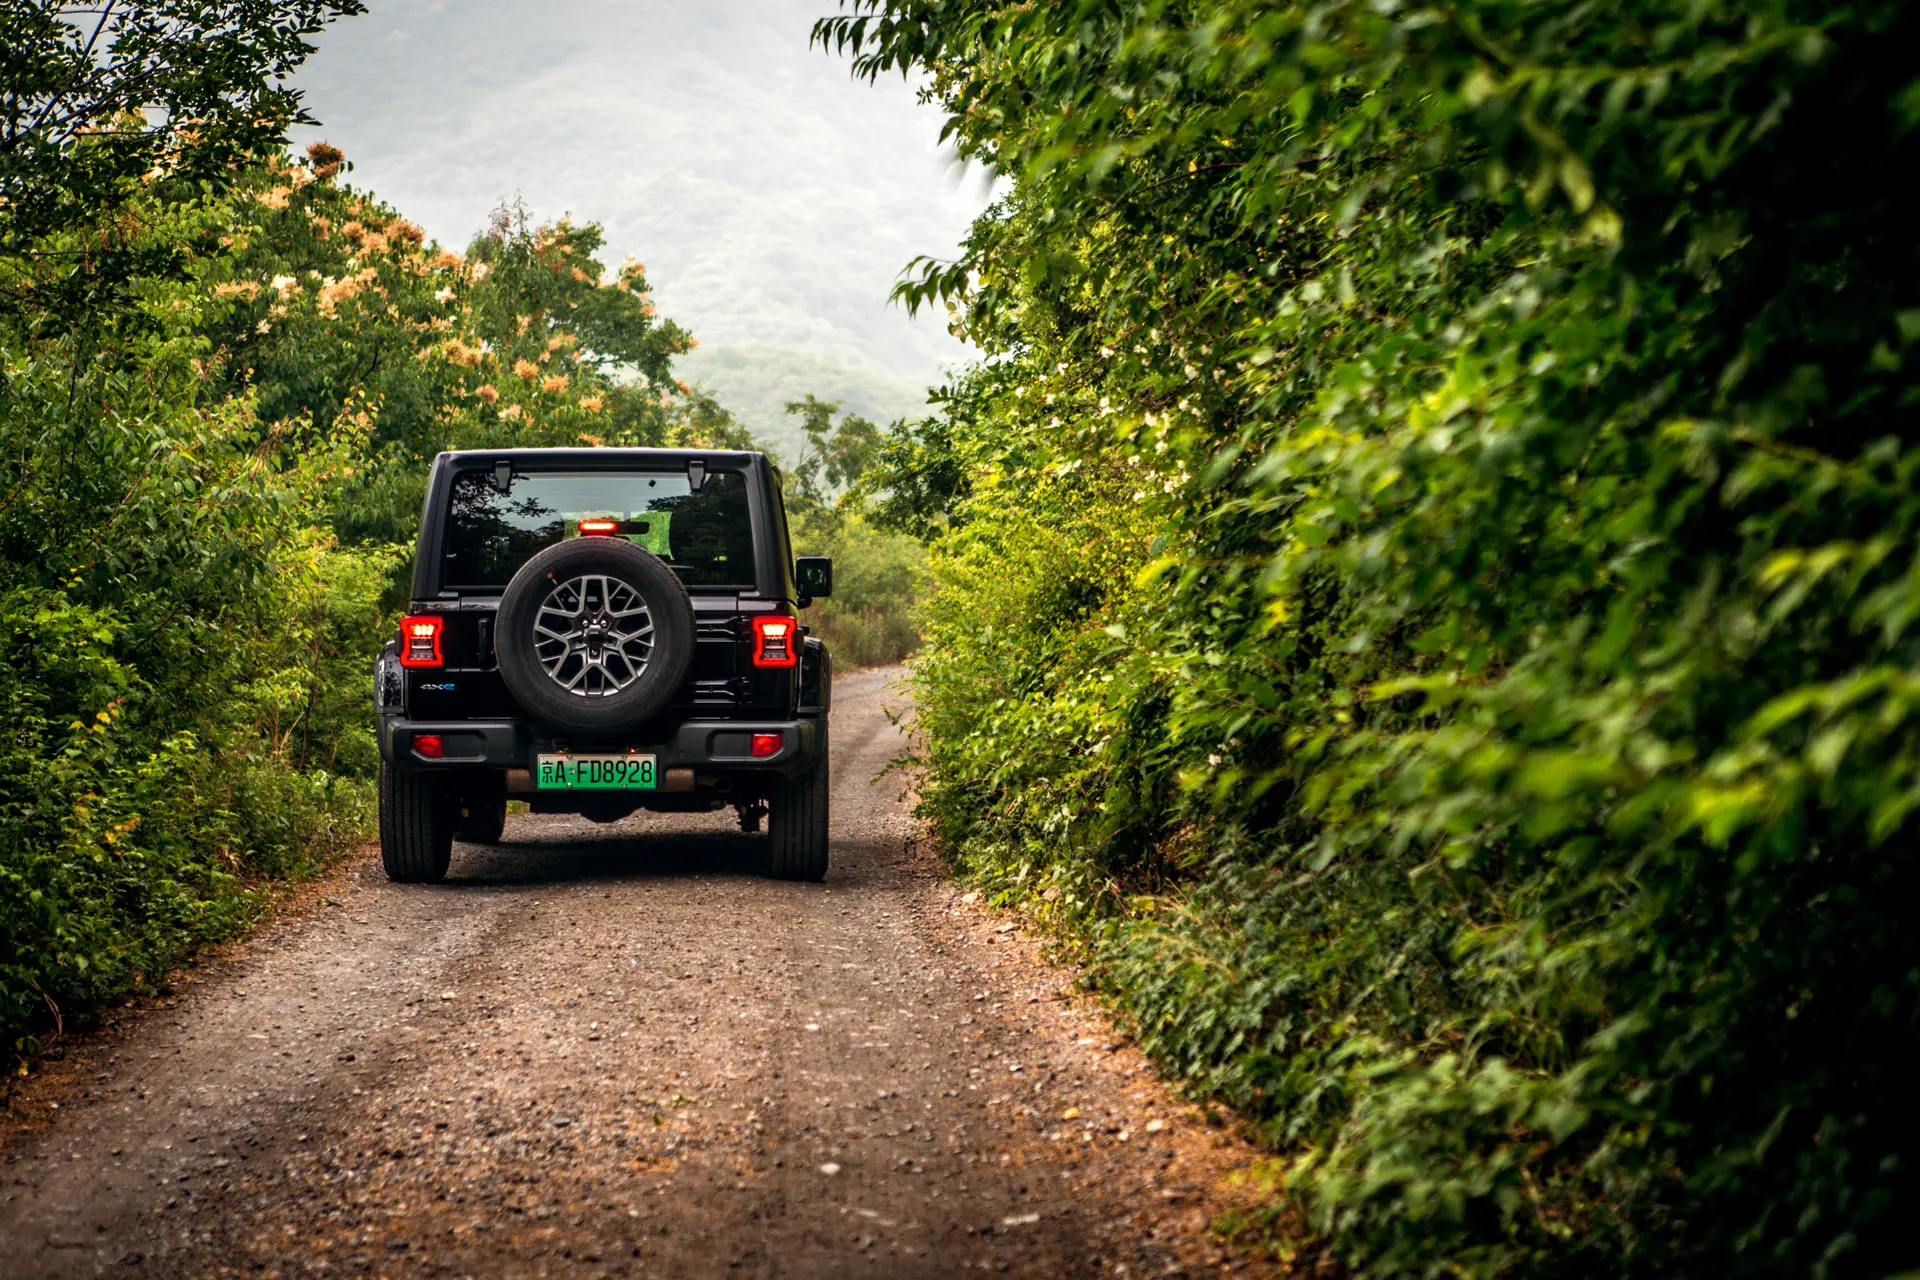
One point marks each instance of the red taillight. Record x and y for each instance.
(599, 528)
(430, 745)
(766, 744)
(420, 641)
(776, 642)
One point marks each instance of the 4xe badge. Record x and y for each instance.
(437, 688)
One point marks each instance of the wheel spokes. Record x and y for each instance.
(593, 635)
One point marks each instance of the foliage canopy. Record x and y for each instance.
(1428, 575)
(94, 100)
(222, 375)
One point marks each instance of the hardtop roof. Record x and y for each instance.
(604, 456)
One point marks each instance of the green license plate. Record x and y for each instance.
(596, 773)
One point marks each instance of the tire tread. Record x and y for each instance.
(797, 824)
(674, 628)
(416, 829)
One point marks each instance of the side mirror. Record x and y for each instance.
(813, 576)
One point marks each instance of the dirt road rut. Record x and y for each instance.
(609, 1050)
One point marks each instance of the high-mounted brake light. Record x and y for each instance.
(776, 642)
(420, 641)
(766, 744)
(599, 528)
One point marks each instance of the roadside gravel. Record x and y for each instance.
(610, 1051)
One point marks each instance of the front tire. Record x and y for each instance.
(797, 823)
(416, 828)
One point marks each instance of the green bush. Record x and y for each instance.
(173, 650)
(1424, 585)
(869, 621)
(223, 372)
(870, 618)
(865, 637)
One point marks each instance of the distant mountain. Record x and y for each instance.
(757, 383)
(773, 197)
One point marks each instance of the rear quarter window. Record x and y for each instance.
(705, 537)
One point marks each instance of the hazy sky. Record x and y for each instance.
(773, 198)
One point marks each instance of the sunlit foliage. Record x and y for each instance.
(223, 373)
(1426, 587)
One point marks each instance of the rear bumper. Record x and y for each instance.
(705, 746)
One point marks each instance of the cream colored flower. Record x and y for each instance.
(463, 355)
(334, 292)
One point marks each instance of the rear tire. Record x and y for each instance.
(416, 828)
(485, 820)
(797, 823)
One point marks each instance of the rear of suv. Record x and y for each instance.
(600, 631)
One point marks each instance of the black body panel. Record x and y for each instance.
(711, 746)
(724, 702)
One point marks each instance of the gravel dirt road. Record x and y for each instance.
(611, 1051)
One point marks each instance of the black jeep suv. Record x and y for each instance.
(599, 631)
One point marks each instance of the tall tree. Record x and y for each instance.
(95, 98)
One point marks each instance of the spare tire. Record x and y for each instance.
(595, 635)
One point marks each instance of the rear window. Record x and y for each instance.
(707, 537)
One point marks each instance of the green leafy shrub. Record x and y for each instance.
(173, 645)
(222, 374)
(870, 618)
(1424, 587)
